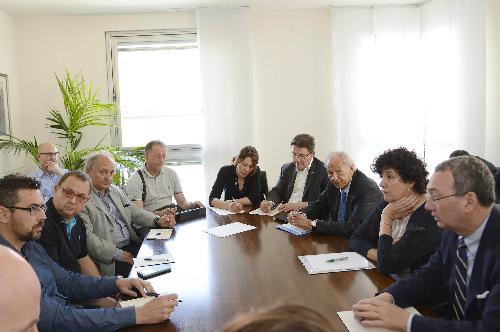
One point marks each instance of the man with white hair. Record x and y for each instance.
(348, 199)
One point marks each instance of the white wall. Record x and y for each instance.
(54, 44)
(492, 81)
(292, 56)
(8, 65)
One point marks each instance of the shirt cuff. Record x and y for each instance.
(118, 256)
(408, 323)
(126, 316)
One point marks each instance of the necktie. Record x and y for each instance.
(460, 286)
(343, 203)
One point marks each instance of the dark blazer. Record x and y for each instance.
(364, 194)
(435, 280)
(315, 183)
(227, 182)
(419, 241)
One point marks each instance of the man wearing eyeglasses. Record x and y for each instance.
(22, 215)
(464, 271)
(63, 235)
(48, 172)
(301, 181)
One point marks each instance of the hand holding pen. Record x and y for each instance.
(235, 206)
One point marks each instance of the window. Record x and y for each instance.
(154, 79)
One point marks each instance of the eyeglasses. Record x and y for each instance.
(299, 156)
(33, 210)
(49, 154)
(80, 198)
(435, 199)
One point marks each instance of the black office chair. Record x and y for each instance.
(264, 189)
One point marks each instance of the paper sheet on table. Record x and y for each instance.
(353, 325)
(159, 234)
(271, 213)
(153, 260)
(223, 212)
(229, 229)
(315, 264)
(139, 302)
(292, 229)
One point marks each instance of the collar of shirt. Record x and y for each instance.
(39, 173)
(99, 194)
(472, 241)
(346, 189)
(145, 171)
(306, 169)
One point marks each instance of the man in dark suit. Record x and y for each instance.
(300, 181)
(464, 271)
(348, 198)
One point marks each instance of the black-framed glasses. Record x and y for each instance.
(299, 156)
(80, 198)
(435, 199)
(49, 154)
(33, 210)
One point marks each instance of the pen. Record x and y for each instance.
(337, 259)
(154, 259)
(155, 294)
(265, 198)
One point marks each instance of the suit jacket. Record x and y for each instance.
(100, 239)
(435, 281)
(363, 196)
(315, 183)
(419, 241)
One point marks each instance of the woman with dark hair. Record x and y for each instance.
(239, 181)
(399, 234)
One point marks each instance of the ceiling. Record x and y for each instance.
(55, 7)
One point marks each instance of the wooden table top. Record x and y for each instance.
(217, 278)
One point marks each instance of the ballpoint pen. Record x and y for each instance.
(154, 294)
(337, 259)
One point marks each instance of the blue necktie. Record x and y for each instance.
(343, 203)
(460, 286)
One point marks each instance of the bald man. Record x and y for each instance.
(348, 199)
(48, 172)
(20, 300)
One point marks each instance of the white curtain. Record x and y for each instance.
(411, 76)
(226, 74)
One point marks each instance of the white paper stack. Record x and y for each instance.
(353, 325)
(159, 234)
(153, 260)
(222, 212)
(271, 213)
(315, 264)
(229, 229)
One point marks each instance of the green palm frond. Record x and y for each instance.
(17, 146)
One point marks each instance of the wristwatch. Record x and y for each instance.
(313, 224)
(155, 221)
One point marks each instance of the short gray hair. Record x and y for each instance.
(346, 159)
(91, 159)
(471, 175)
(150, 145)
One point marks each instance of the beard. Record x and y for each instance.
(32, 235)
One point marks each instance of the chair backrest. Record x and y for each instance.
(264, 189)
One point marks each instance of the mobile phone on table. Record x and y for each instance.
(153, 271)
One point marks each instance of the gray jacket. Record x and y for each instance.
(99, 227)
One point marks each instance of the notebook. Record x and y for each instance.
(159, 234)
(353, 325)
(229, 229)
(293, 229)
(344, 261)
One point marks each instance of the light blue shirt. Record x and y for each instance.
(472, 244)
(48, 182)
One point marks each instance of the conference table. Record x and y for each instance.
(218, 278)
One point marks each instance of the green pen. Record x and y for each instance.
(337, 259)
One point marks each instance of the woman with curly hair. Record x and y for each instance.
(239, 181)
(399, 234)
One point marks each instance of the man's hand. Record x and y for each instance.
(167, 220)
(127, 286)
(234, 206)
(299, 219)
(53, 168)
(165, 211)
(292, 207)
(266, 206)
(196, 204)
(157, 310)
(128, 257)
(380, 312)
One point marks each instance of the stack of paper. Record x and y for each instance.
(345, 261)
(271, 213)
(229, 229)
(222, 212)
(293, 229)
(153, 260)
(353, 325)
(138, 302)
(159, 234)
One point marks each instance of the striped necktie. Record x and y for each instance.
(460, 286)
(343, 203)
